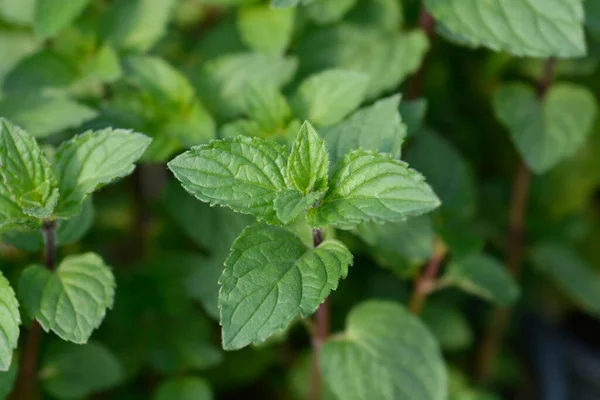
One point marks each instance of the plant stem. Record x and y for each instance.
(425, 283)
(26, 387)
(496, 329)
(321, 332)
(427, 25)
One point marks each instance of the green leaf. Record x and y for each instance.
(243, 174)
(327, 11)
(10, 319)
(52, 16)
(377, 127)
(43, 115)
(46, 69)
(71, 371)
(327, 97)
(524, 28)
(19, 12)
(446, 171)
(26, 172)
(265, 29)
(290, 203)
(136, 25)
(267, 106)
(203, 283)
(163, 82)
(385, 353)
(571, 273)
(412, 239)
(308, 164)
(549, 131)
(10, 211)
(271, 278)
(184, 388)
(93, 159)
(483, 276)
(592, 17)
(72, 301)
(413, 114)
(224, 78)
(387, 57)
(288, 3)
(15, 45)
(373, 187)
(449, 326)
(8, 379)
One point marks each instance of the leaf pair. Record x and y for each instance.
(33, 187)
(257, 177)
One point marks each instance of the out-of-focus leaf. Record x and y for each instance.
(449, 326)
(571, 273)
(266, 29)
(483, 276)
(388, 58)
(71, 371)
(51, 16)
(184, 388)
(384, 350)
(43, 115)
(446, 171)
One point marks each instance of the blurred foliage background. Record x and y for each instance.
(185, 72)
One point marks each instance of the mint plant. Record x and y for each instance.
(326, 199)
(42, 190)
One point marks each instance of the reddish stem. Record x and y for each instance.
(496, 329)
(321, 332)
(26, 387)
(426, 281)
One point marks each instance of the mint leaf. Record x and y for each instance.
(413, 114)
(26, 172)
(267, 106)
(327, 97)
(43, 115)
(271, 278)
(449, 325)
(72, 301)
(136, 25)
(384, 350)
(308, 164)
(524, 28)
(243, 174)
(290, 203)
(387, 57)
(446, 170)
(71, 371)
(377, 127)
(8, 379)
(10, 211)
(184, 388)
(548, 131)
(10, 319)
(571, 273)
(483, 276)
(265, 29)
(327, 11)
(372, 187)
(93, 159)
(412, 239)
(51, 16)
(225, 77)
